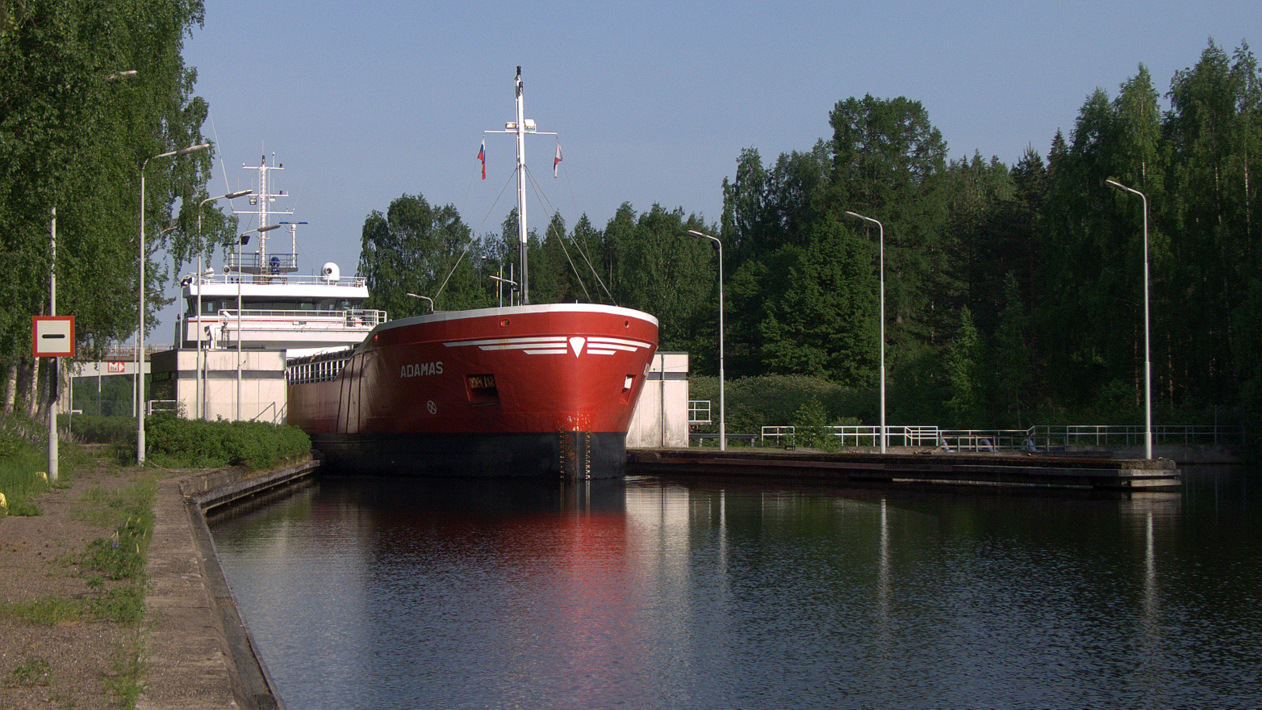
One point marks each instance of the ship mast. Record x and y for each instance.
(262, 199)
(520, 127)
(521, 190)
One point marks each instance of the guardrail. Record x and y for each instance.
(699, 411)
(168, 406)
(1036, 437)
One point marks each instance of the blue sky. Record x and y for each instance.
(653, 101)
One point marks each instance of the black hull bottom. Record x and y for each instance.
(563, 455)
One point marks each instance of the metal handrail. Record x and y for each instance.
(1035, 437)
(295, 279)
(357, 317)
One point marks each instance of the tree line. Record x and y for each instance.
(1014, 294)
(88, 91)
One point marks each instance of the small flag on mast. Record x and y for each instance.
(482, 157)
(557, 160)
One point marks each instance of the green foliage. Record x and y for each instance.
(420, 249)
(963, 362)
(808, 424)
(100, 430)
(75, 132)
(775, 400)
(1043, 256)
(22, 456)
(184, 443)
(48, 610)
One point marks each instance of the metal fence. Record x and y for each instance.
(1036, 437)
(699, 411)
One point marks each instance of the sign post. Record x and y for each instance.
(52, 337)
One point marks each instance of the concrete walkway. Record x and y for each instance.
(198, 651)
(186, 661)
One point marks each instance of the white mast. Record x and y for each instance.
(520, 128)
(521, 189)
(262, 199)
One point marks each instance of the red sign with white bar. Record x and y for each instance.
(53, 336)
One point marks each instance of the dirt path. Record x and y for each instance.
(56, 650)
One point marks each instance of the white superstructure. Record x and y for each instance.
(299, 314)
(258, 303)
(240, 324)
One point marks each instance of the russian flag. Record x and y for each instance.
(482, 157)
(557, 160)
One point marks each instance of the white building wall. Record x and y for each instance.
(263, 393)
(661, 415)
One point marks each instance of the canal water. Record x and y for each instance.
(378, 593)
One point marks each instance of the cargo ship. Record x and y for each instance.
(535, 390)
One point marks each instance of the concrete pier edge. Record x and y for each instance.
(198, 650)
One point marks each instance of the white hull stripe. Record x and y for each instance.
(555, 345)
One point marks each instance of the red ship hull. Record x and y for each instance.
(524, 391)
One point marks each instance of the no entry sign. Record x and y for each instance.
(53, 336)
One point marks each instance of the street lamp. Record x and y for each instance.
(1147, 352)
(722, 404)
(201, 271)
(881, 267)
(140, 329)
(245, 237)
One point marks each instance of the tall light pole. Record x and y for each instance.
(245, 237)
(881, 267)
(140, 329)
(722, 403)
(200, 387)
(53, 456)
(1147, 352)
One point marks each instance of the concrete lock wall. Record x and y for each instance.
(661, 415)
(263, 393)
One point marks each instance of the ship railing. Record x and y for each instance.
(353, 318)
(291, 279)
(315, 370)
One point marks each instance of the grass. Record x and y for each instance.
(48, 611)
(24, 464)
(31, 672)
(113, 566)
(20, 464)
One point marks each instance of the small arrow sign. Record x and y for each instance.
(53, 336)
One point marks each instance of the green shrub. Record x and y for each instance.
(99, 430)
(774, 400)
(22, 456)
(185, 443)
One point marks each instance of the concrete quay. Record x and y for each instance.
(922, 470)
(198, 650)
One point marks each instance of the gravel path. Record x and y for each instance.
(54, 652)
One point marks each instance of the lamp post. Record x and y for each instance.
(200, 387)
(722, 403)
(140, 328)
(245, 237)
(881, 267)
(1147, 352)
